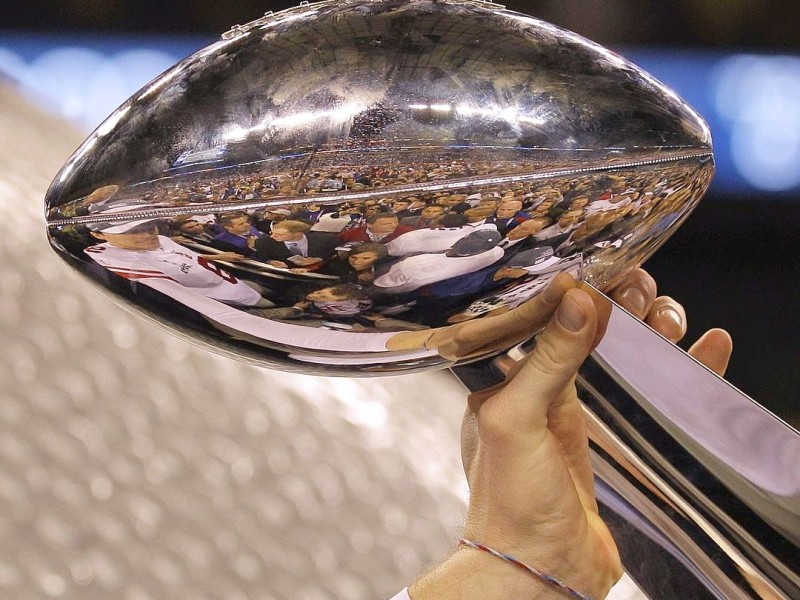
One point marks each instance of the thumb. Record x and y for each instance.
(551, 366)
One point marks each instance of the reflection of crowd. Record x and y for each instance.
(134, 250)
(389, 259)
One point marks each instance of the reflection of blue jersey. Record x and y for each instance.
(469, 283)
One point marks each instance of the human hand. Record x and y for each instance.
(225, 257)
(531, 485)
(305, 261)
(525, 448)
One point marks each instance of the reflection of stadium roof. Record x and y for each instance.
(199, 157)
(348, 76)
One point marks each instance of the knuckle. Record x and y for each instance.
(547, 357)
(497, 426)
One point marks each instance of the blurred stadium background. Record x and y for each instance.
(732, 265)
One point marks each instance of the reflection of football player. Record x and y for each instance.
(134, 250)
(471, 253)
(432, 240)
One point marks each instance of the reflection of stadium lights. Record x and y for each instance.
(611, 56)
(530, 120)
(112, 121)
(237, 133)
(508, 114)
(470, 111)
(761, 116)
(79, 154)
(289, 18)
(434, 107)
(162, 81)
(544, 25)
(341, 114)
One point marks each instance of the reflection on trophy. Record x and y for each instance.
(340, 188)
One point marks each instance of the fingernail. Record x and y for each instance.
(633, 299)
(672, 315)
(570, 315)
(553, 292)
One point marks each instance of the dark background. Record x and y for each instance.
(733, 264)
(756, 24)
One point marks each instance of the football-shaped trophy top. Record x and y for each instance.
(326, 187)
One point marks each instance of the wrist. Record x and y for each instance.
(469, 574)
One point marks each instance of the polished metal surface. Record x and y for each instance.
(698, 481)
(545, 151)
(136, 466)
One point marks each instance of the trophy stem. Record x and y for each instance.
(698, 483)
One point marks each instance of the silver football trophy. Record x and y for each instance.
(324, 189)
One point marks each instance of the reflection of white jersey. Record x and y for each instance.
(432, 240)
(555, 230)
(599, 206)
(415, 271)
(176, 263)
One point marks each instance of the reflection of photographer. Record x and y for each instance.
(343, 300)
(359, 264)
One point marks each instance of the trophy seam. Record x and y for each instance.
(417, 188)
